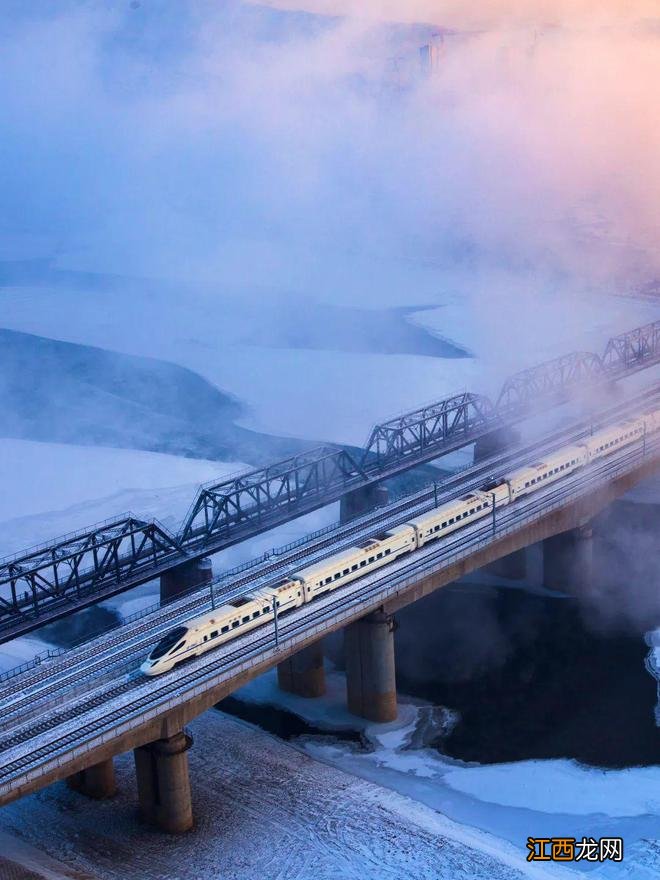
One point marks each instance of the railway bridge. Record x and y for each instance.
(69, 716)
(77, 570)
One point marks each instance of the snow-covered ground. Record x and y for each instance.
(263, 809)
(319, 808)
(508, 801)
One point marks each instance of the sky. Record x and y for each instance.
(483, 13)
(221, 140)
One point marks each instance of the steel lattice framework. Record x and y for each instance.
(633, 350)
(116, 552)
(423, 431)
(550, 382)
(77, 570)
(264, 493)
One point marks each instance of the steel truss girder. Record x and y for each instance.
(129, 551)
(633, 348)
(81, 564)
(264, 492)
(548, 382)
(429, 428)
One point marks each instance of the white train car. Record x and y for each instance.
(227, 622)
(557, 465)
(244, 614)
(344, 567)
(610, 439)
(497, 490)
(449, 517)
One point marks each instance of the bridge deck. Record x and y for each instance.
(113, 712)
(68, 574)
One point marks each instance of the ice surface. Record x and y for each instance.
(20, 651)
(64, 488)
(329, 395)
(509, 801)
(563, 787)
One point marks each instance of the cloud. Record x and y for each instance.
(179, 138)
(484, 14)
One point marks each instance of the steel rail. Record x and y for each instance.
(511, 518)
(13, 702)
(333, 538)
(72, 573)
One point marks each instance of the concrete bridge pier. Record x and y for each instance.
(361, 501)
(370, 667)
(97, 781)
(163, 783)
(568, 561)
(303, 673)
(185, 577)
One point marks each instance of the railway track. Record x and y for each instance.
(175, 684)
(48, 681)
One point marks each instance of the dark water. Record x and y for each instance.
(526, 674)
(285, 724)
(530, 678)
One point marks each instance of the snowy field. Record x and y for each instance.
(263, 810)
(508, 801)
(314, 809)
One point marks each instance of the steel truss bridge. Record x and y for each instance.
(69, 573)
(86, 705)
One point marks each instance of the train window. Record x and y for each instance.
(387, 552)
(451, 521)
(205, 638)
(167, 642)
(338, 575)
(444, 525)
(298, 592)
(354, 567)
(214, 634)
(225, 629)
(363, 563)
(257, 613)
(246, 619)
(346, 570)
(328, 579)
(370, 560)
(235, 623)
(266, 609)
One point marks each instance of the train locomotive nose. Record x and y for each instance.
(147, 668)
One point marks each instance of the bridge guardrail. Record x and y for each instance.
(626, 461)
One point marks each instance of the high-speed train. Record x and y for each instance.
(240, 615)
